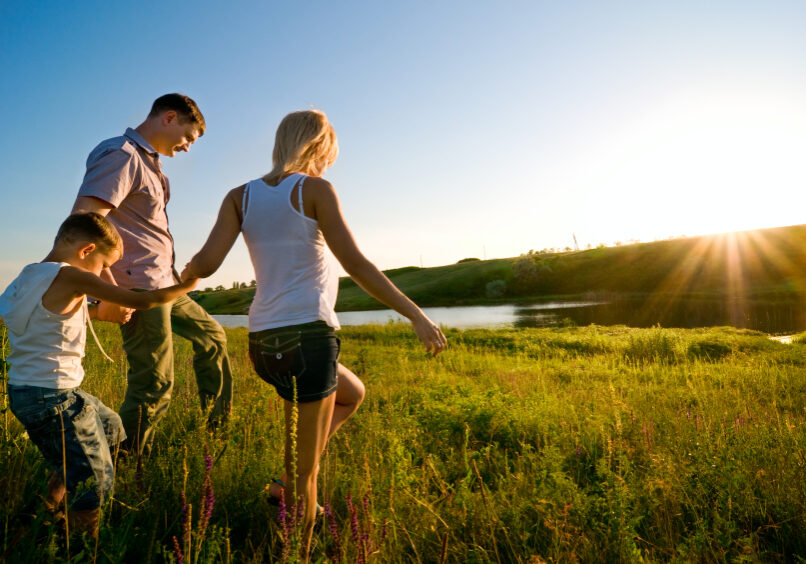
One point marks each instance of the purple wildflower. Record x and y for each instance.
(208, 460)
(355, 532)
(335, 553)
(285, 523)
(185, 519)
(365, 503)
(180, 558)
(384, 531)
(208, 497)
(300, 509)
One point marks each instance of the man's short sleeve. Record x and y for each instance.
(110, 175)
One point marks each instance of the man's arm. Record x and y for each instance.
(105, 311)
(86, 204)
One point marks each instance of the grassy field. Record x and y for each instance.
(764, 265)
(594, 444)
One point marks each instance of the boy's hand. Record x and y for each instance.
(113, 313)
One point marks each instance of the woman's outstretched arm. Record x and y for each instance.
(221, 238)
(327, 210)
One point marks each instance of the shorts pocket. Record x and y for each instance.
(278, 358)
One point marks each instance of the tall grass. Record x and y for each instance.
(594, 444)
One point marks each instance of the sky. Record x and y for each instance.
(466, 129)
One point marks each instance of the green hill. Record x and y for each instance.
(763, 264)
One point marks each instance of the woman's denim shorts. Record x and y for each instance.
(306, 354)
(85, 426)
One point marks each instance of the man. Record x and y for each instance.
(124, 182)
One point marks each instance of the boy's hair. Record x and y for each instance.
(304, 139)
(183, 105)
(91, 227)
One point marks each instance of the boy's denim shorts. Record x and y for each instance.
(85, 426)
(306, 354)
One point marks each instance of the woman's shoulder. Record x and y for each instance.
(238, 190)
(318, 184)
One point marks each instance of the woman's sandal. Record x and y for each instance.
(274, 500)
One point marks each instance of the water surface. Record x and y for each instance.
(774, 318)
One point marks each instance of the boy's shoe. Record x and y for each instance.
(55, 495)
(86, 521)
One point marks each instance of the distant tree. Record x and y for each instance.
(208, 289)
(495, 289)
(219, 288)
(568, 249)
(243, 285)
(524, 275)
(253, 283)
(467, 260)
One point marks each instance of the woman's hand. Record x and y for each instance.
(430, 334)
(188, 274)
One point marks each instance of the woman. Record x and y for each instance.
(288, 217)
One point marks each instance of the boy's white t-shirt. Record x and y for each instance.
(46, 348)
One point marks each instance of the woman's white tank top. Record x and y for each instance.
(296, 274)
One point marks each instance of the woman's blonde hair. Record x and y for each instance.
(304, 140)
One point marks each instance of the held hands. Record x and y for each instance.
(430, 335)
(113, 313)
(188, 274)
(188, 284)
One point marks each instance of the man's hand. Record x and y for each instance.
(107, 311)
(187, 274)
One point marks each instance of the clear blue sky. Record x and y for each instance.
(465, 127)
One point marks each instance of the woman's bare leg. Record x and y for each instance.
(313, 423)
(349, 395)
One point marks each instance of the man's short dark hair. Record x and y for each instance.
(183, 105)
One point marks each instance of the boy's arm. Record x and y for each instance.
(83, 282)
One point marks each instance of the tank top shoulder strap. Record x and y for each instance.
(247, 197)
(298, 184)
(245, 200)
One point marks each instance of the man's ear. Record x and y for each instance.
(86, 250)
(169, 117)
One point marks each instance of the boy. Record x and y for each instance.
(45, 311)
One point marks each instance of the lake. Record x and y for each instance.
(773, 318)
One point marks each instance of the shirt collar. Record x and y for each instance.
(132, 135)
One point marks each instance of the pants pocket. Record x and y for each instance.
(44, 418)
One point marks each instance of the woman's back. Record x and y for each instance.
(297, 279)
